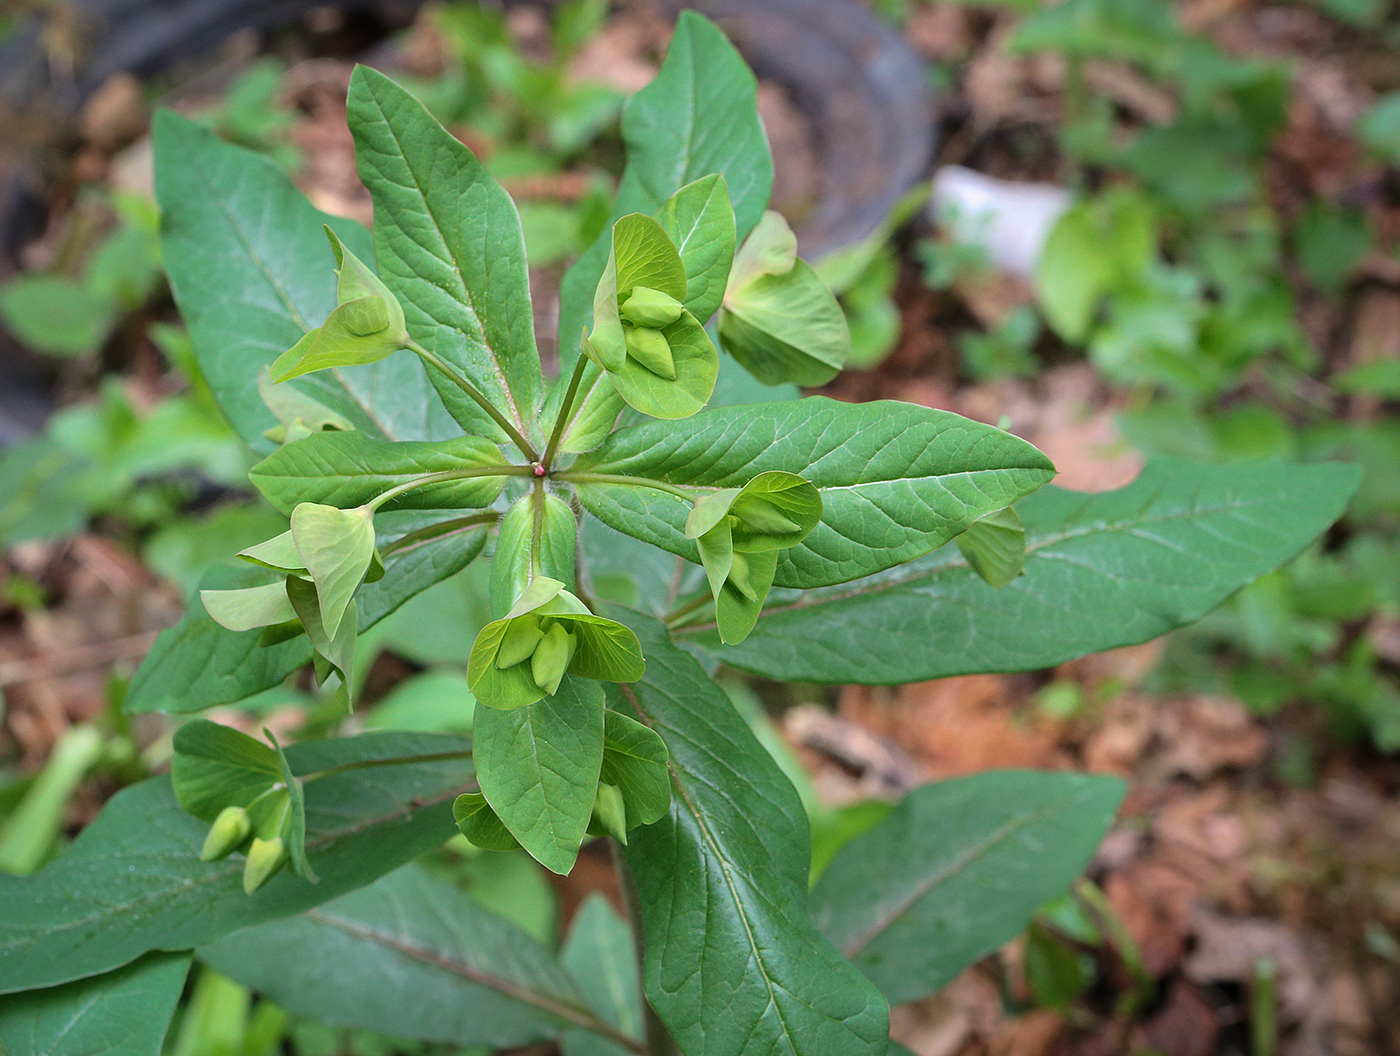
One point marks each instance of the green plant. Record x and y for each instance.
(796, 538)
(72, 310)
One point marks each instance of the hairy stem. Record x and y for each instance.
(438, 363)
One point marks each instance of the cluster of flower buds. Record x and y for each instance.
(548, 632)
(655, 352)
(739, 533)
(258, 830)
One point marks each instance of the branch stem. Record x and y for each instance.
(566, 411)
(575, 477)
(433, 531)
(439, 364)
(450, 474)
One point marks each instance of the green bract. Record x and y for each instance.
(739, 531)
(780, 321)
(366, 326)
(796, 538)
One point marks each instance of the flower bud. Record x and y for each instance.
(265, 857)
(228, 832)
(740, 579)
(649, 348)
(552, 658)
(760, 515)
(521, 638)
(648, 307)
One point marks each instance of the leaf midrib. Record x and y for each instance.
(727, 869)
(963, 861)
(570, 1011)
(469, 301)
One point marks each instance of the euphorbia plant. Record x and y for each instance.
(646, 521)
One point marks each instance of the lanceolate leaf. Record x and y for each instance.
(1101, 571)
(133, 881)
(197, 664)
(538, 766)
(698, 117)
(958, 869)
(348, 469)
(450, 246)
(410, 955)
(733, 964)
(122, 1013)
(602, 957)
(251, 271)
(897, 480)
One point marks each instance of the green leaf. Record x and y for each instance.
(1096, 246)
(1102, 571)
(55, 315)
(217, 767)
(995, 547)
(336, 548)
(600, 955)
(296, 412)
(348, 469)
(122, 1013)
(896, 480)
(522, 553)
(698, 117)
(481, 825)
(243, 249)
(780, 320)
(450, 247)
(634, 760)
(413, 956)
(198, 664)
(957, 870)
(733, 962)
(700, 223)
(599, 404)
(538, 768)
(132, 881)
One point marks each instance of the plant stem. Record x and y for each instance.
(565, 411)
(450, 474)
(433, 531)
(536, 527)
(619, 478)
(432, 359)
(679, 613)
(659, 1040)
